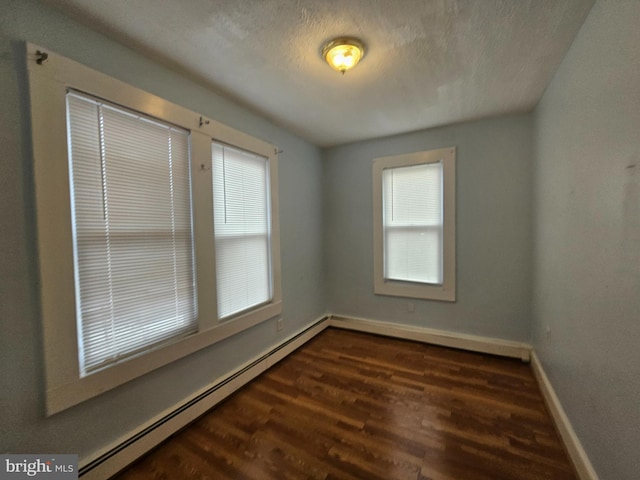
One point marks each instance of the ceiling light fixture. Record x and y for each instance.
(343, 53)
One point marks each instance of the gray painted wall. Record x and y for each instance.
(493, 172)
(587, 236)
(95, 423)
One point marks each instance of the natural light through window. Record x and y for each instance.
(241, 222)
(158, 229)
(133, 241)
(414, 225)
(412, 220)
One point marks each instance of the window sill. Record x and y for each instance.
(73, 393)
(443, 293)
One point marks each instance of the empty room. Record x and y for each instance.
(306, 239)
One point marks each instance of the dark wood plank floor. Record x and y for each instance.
(361, 407)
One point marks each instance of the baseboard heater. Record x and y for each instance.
(190, 403)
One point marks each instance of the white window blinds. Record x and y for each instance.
(413, 223)
(132, 230)
(242, 232)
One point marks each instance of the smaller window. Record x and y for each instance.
(414, 225)
(242, 229)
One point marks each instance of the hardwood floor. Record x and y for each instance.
(355, 406)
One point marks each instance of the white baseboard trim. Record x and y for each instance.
(574, 448)
(494, 346)
(110, 460)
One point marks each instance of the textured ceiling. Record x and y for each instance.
(428, 62)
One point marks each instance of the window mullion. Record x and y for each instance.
(202, 201)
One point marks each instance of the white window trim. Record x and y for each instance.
(48, 83)
(382, 286)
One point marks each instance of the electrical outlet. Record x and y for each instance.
(280, 324)
(411, 307)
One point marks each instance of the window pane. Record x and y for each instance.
(413, 254)
(242, 236)
(133, 240)
(412, 223)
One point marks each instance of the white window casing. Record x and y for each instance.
(414, 225)
(183, 227)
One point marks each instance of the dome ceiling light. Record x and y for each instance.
(343, 53)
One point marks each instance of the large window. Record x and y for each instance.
(157, 229)
(414, 225)
(133, 242)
